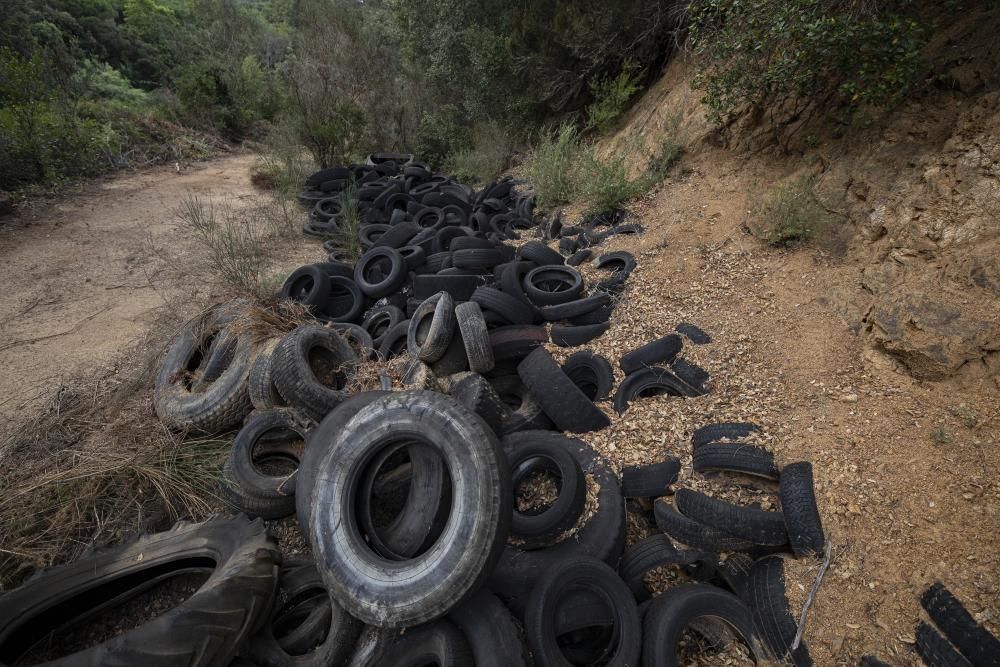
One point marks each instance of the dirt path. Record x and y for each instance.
(93, 272)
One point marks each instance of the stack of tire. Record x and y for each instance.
(645, 376)
(575, 241)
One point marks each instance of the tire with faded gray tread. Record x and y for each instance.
(206, 629)
(748, 523)
(432, 328)
(263, 394)
(798, 506)
(475, 337)
(220, 404)
(294, 376)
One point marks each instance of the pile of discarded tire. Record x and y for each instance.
(423, 549)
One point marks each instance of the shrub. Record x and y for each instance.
(611, 96)
(790, 213)
(488, 157)
(756, 52)
(441, 132)
(549, 167)
(661, 164)
(604, 183)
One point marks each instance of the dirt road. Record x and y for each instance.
(92, 272)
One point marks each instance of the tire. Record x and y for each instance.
(263, 394)
(380, 320)
(579, 257)
(693, 333)
(481, 259)
(331, 645)
(748, 523)
(670, 613)
(205, 629)
(459, 287)
(478, 395)
(309, 285)
(646, 380)
(345, 303)
(551, 285)
(691, 374)
(475, 337)
(512, 281)
(491, 631)
(564, 403)
(660, 351)
(694, 534)
(736, 457)
(596, 316)
(798, 506)
(506, 306)
(514, 343)
(935, 650)
(540, 254)
(645, 555)
(531, 456)
(292, 367)
(224, 402)
(394, 340)
(399, 235)
(357, 337)
(724, 430)
(320, 440)
(527, 414)
(620, 263)
(402, 593)
(772, 618)
(431, 328)
(577, 308)
(588, 574)
(390, 281)
(242, 457)
(453, 361)
(439, 643)
(414, 256)
(650, 481)
(603, 537)
(972, 640)
(574, 336)
(591, 373)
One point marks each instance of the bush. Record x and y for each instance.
(790, 213)
(757, 52)
(611, 96)
(604, 183)
(549, 167)
(441, 133)
(488, 157)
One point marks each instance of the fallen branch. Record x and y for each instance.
(827, 553)
(27, 341)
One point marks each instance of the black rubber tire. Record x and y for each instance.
(748, 523)
(380, 320)
(602, 537)
(565, 276)
(475, 337)
(437, 262)
(205, 629)
(334, 643)
(950, 616)
(237, 500)
(295, 377)
(320, 440)
(596, 316)
(527, 414)
(579, 257)
(670, 613)
(459, 287)
(575, 574)
(357, 337)
(453, 361)
(660, 351)
(651, 552)
(591, 373)
(694, 534)
(693, 333)
(652, 480)
(309, 285)
(506, 306)
(511, 281)
(471, 243)
(691, 374)
(514, 343)
(440, 643)
(402, 593)
(619, 262)
(574, 309)
(530, 456)
(394, 341)
(476, 258)
(476, 393)
(414, 256)
(390, 282)
(935, 650)
(346, 301)
(723, 430)
(574, 336)
(649, 379)
(540, 254)
(224, 402)
(772, 618)
(492, 633)
(735, 457)
(798, 506)
(431, 328)
(872, 661)
(263, 394)
(398, 235)
(564, 403)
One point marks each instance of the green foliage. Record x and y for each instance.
(604, 183)
(550, 164)
(661, 164)
(790, 213)
(491, 149)
(611, 96)
(756, 52)
(441, 133)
